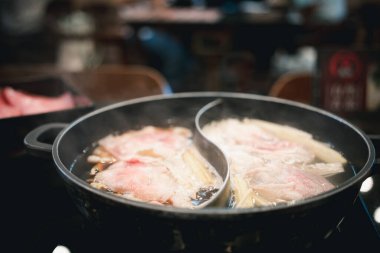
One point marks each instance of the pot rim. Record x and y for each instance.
(211, 211)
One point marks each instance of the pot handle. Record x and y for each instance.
(40, 140)
(376, 143)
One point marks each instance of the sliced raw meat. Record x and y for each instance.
(139, 180)
(267, 169)
(149, 142)
(34, 104)
(155, 165)
(7, 110)
(277, 182)
(243, 136)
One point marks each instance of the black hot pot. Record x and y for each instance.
(125, 224)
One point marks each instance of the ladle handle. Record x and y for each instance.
(40, 140)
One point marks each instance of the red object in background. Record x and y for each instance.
(15, 103)
(343, 81)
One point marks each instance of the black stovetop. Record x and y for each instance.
(41, 215)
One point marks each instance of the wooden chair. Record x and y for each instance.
(114, 83)
(293, 86)
(104, 84)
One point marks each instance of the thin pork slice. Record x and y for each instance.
(244, 136)
(142, 181)
(276, 182)
(268, 167)
(149, 142)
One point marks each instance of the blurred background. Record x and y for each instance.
(196, 44)
(320, 52)
(324, 53)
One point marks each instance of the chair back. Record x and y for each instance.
(108, 84)
(293, 86)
